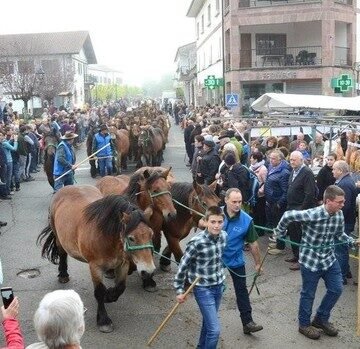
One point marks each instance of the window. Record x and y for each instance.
(210, 56)
(50, 66)
(80, 68)
(209, 14)
(202, 24)
(6, 68)
(220, 49)
(217, 6)
(26, 67)
(197, 30)
(270, 44)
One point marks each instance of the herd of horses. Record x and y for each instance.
(116, 226)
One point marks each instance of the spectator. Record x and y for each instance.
(325, 176)
(208, 164)
(59, 321)
(189, 146)
(294, 145)
(344, 180)
(302, 148)
(317, 147)
(101, 139)
(13, 336)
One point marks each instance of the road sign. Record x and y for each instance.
(232, 100)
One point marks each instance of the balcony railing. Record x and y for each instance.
(281, 57)
(344, 2)
(263, 3)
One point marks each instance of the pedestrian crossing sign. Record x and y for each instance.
(232, 100)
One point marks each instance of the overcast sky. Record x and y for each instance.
(138, 37)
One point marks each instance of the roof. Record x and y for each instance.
(185, 49)
(40, 44)
(195, 7)
(103, 68)
(281, 102)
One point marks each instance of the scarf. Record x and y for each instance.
(256, 166)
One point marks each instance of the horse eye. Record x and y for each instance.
(131, 238)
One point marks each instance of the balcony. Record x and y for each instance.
(304, 56)
(344, 2)
(265, 3)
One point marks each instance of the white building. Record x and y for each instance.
(209, 45)
(104, 75)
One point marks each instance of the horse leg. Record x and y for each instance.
(113, 293)
(118, 163)
(174, 247)
(63, 275)
(124, 162)
(104, 323)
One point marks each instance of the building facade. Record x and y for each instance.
(103, 75)
(292, 46)
(209, 49)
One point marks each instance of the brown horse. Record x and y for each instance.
(197, 198)
(150, 146)
(105, 232)
(113, 185)
(121, 146)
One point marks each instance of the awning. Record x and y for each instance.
(288, 102)
(65, 94)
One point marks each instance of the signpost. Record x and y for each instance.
(343, 83)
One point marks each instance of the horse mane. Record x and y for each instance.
(180, 191)
(108, 213)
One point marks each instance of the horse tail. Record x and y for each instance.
(50, 249)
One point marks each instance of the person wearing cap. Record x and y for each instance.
(209, 163)
(64, 161)
(100, 140)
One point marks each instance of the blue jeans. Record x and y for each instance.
(342, 253)
(64, 181)
(310, 279)
(9, 172)
(105, 166)
(242, 294)
(208, 299)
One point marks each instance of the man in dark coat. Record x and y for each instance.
(325, 176)
(208, 163)
(189, 146)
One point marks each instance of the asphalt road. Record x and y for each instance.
(137, 314)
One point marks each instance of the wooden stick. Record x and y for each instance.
(258, 273)
(358, 300)
(81, 162)
(171, 313)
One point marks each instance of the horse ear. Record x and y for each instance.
(148, 213)
(146, 174)
(212, 186)
(166, 173)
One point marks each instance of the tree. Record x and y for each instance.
(24, 76)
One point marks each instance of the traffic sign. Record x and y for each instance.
(232, 100)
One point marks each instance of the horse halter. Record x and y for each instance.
(154, 195)
(202, 204)
(130, 248)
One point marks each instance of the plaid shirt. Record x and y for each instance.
(203, 258)
(319, 228)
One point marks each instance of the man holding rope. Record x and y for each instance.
(323, 228)
(64, 161)
(202, 259)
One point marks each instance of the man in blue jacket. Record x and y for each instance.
(64, 161)
(101, 139)
(240, 229)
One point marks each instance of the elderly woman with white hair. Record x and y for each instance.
(59, 321)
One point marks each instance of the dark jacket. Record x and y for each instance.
(237, 176)
(302, 192)
(323, 179)
(347, 184)
(209, 165)
(276, 184)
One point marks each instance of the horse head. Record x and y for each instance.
(204, 197)
(138, 241)
(157, 187)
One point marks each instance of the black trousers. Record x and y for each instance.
(295, 233)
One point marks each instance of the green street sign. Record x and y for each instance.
(211, 82)
(343, 83)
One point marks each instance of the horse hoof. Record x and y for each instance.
(63, 279)
(106, 328)
(150, 288)
(149, 285)
(166, 268)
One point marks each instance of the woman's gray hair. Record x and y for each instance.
(59, 319)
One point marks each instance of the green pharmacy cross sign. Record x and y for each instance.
(344, 83)
(211, 82)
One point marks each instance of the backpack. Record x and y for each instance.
(254, 186)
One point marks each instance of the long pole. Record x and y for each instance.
(81, 162)
(171, 313)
